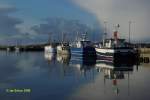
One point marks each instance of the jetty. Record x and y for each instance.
(144, 50)
(30, 47)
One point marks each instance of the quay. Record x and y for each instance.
(31, 47)
(144, 50)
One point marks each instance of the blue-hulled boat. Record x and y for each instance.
(83, 48)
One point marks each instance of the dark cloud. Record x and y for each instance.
(121, 11)
(9, 33)
(56, 26)
(7, 23)
(7, 9)
(59, 25)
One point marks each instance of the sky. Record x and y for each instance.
(33, 20)
(121, 12)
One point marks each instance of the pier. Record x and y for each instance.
(144, 50)
(31, 47)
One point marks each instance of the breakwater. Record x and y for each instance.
(144, 50)
(31, 47)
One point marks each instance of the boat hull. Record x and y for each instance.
(84, 52)
(116, 54)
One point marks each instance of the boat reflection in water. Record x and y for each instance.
(111, 69)
(84, 63)
(64, 59)
(50, 56)
(115, 71)
(89, 68)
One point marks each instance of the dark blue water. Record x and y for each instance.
(55, 77)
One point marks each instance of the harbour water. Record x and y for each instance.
(57, 77)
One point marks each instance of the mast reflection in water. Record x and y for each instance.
(62, 77)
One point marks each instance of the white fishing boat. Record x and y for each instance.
(115, 48)
(63, 48)
(17, 49)
(51, 48)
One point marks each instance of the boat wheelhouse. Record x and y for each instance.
(63, 48)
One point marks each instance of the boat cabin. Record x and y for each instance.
(83, 43)
(111, 43)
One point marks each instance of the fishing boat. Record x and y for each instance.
(63, 48)
(50, 48)
(17, 49)
(113, 49)
(83, 47)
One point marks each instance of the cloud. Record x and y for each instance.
(59, 25)
(121, 11)
(13, 29)
(56, 26)
(8, 23)
(5, 9)
(10, 33)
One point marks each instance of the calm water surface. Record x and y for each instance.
(54, 77)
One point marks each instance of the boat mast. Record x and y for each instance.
(49, 38)
(84, 36)
(77, 37)
(105, 32)
(129, 30)
(63, 37)
(130, 22)
(116, 34)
